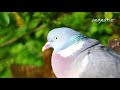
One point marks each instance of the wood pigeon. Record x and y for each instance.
(78, 56)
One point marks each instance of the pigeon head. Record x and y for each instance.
(60, 38)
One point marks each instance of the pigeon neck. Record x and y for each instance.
(88, 44)
(71, 49)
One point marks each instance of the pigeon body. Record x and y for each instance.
(77, 56)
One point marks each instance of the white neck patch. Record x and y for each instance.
(71, 49)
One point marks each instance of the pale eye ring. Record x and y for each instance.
(56, 37)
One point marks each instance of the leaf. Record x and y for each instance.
(4, 18)
(19, 19)
(93, 28)
(33, 23)
(38, 15)
(108, 30)
(108, 15)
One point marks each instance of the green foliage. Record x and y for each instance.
(22, 34)
(108, 15)
(4, 18)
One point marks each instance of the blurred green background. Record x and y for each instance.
(22, 34)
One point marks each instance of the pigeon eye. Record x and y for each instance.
(56, 37)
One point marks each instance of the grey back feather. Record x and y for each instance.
(102, 62)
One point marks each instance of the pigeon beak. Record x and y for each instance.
(46, 46)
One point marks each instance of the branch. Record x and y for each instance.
(18, 38)
(32, 31)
